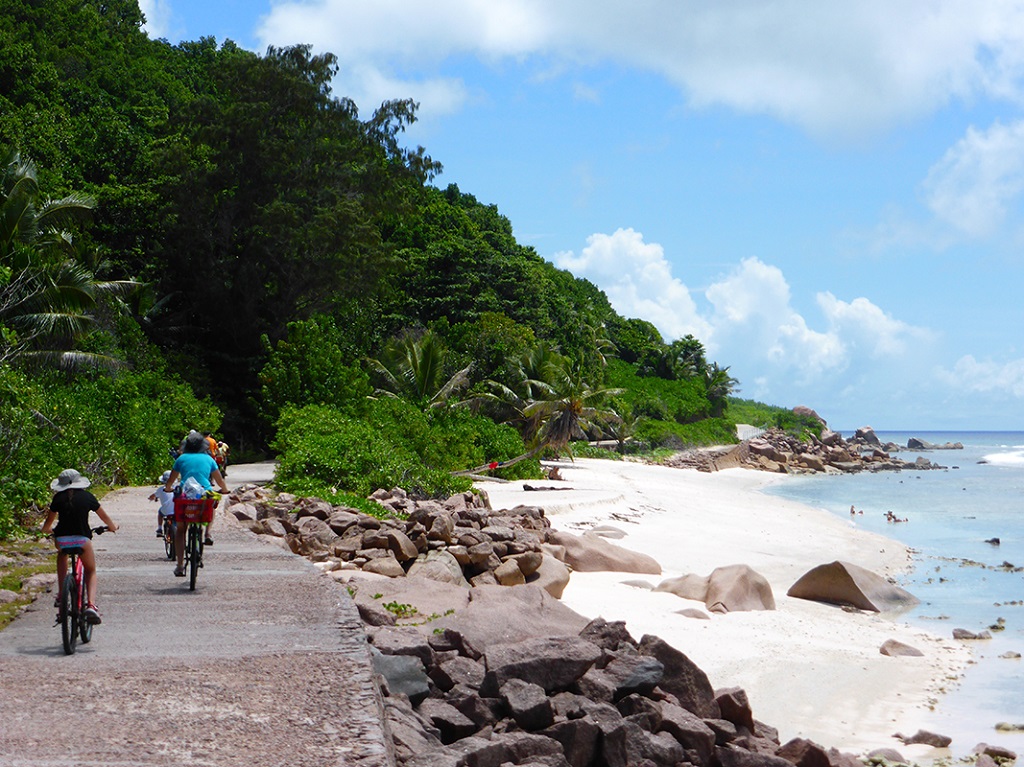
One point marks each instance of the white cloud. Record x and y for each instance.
(832, 69)
(158, 18)
(369, 88)
(971, 187)
(638, 281)
(753, 320)
(750, 325)
(866, 326)
(986, 377)
(585, 93)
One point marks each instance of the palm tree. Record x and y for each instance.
(552, 403)
(47, 282)
(718, 385)
(569, 405)
(414, 367)
(527, 383)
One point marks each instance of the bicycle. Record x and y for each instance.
(195, 515)
(168, 531)
(74, 594)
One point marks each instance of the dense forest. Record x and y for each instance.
(197, 236)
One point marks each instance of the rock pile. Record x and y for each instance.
(460, 541)
(599, 698)
(777, 451)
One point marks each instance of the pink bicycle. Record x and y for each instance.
(74, 594)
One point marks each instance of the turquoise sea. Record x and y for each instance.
(962, 580)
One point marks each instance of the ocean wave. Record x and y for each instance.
(1015, 458)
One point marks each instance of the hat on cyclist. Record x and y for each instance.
(195, 442)
(165, 476)
(69, 479)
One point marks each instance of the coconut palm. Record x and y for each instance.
(526, 383)
(569, 405)
(414, 368)
(48, 286)
(718, 385)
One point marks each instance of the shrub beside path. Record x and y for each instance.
(265, 663)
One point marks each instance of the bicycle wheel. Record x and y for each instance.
(169, 538)
(84, 627)
(193, 554)
(69, 612)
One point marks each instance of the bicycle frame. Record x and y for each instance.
(194, 516)
(73, 596)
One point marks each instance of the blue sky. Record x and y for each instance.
(827, 195)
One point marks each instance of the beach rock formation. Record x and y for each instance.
(897, 649)
(732, 588)
(598, 697)
(919, 444)
(460, 541)
(589, 553)
(843, 583)
(776, 451)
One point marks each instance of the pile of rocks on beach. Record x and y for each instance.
(779, 452)
(479, 662)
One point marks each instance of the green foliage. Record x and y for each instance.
(311, 366)
(683, 401)
(768, 416)
(324, 451)
(709, 431)
(115, 428)
(415, 366)
(400, 609)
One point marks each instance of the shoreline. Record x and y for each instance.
(810, 670)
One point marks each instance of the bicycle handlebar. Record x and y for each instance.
(100, 530)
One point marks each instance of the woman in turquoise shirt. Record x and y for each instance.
(193, 463)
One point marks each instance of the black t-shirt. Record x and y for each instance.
(73, 507)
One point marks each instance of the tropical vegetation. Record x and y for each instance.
(198, 236)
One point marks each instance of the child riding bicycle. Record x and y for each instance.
(71, 506)
(166, 501)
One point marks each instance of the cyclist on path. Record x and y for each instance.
(193, 463)
(71, 506)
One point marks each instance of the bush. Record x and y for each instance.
(324, 451)
(710, 431)
(114, 428)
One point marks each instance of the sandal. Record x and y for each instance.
(179, 572)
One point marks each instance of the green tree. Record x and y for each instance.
(685, 358)
(311, 366)
(48, 290)
(414, 367)
(569, 405)
(719, 385)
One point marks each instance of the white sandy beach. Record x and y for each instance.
(811, 670)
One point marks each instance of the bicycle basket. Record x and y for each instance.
(201, 510)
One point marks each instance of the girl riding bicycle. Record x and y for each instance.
(70, 506)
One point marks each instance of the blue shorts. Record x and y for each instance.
(71, 541)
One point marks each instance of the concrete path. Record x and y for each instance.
(264, 664)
